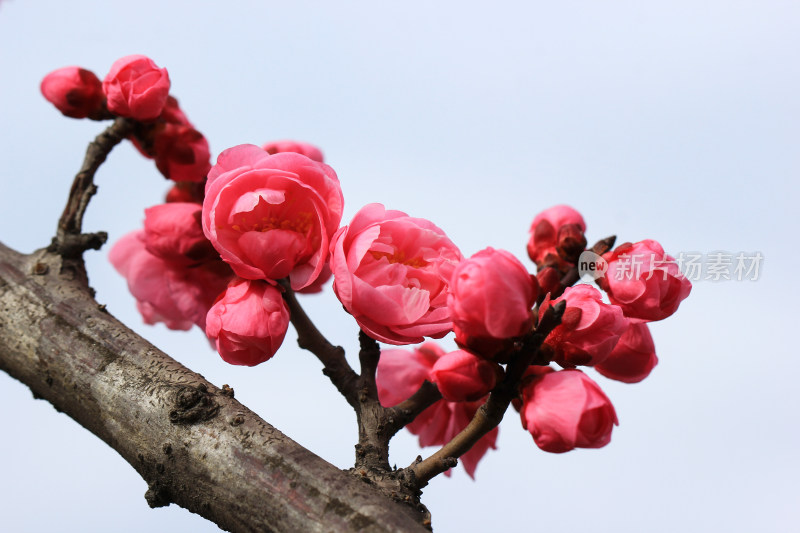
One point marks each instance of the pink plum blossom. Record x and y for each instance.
(177, 295)
(491, 296)
(136, 87)
(75, 91)
(589, 329)
(248, 323)
(644, 281)
(271, 216)
(392, 272)
(565, 410)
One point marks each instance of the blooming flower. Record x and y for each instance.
(391, 272)
(644, 281)
(566, 410)
(76, 92)
(401, 373)
(589, 329)
(178, 295)
(136, 88)
(271, 216)
(248, 323)
(491, 296)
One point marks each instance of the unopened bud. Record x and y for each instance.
(571, 242)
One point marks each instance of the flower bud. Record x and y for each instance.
(549, 280)
(490, 300)
(76, 92)
(589, 328)
(544, 233)
(308, 150)
(174, 233)
(182, 153)
(634, 356)
(186, 191)
(136, 88)
(571, 242)
(566, 410)
(644, 281)
(248, 323)
(462, 376)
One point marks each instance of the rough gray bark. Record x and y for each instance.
(192, 442)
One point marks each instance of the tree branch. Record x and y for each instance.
(192, 442)
(69, 242)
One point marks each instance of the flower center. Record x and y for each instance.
(301, 223)
(399, 257)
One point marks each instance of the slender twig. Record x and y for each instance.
(332, 357)
(69, 241)
(405, 412)
(491, 413)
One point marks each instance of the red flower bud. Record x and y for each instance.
(76, 92)
(308, 150)
(462, 376)
(549, 281)
(644, 281)
(490, 300)
(633, 358)
(545, 233)
(248, 323)
(566, 410)
(174, 233)
(571, 242)
(136, 88)
(589, 329)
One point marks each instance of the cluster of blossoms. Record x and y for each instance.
(214, 253)
(136, 88)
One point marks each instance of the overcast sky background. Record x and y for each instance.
(677, 121)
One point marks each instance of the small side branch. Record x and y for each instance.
(491, 413)
(405, 412)
(69, 242)
(332, 357)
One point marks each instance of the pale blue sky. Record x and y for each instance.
(677, 121)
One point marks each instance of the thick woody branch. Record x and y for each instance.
(491, 413)
(69, 242)
(335, 366)
(193, 443)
